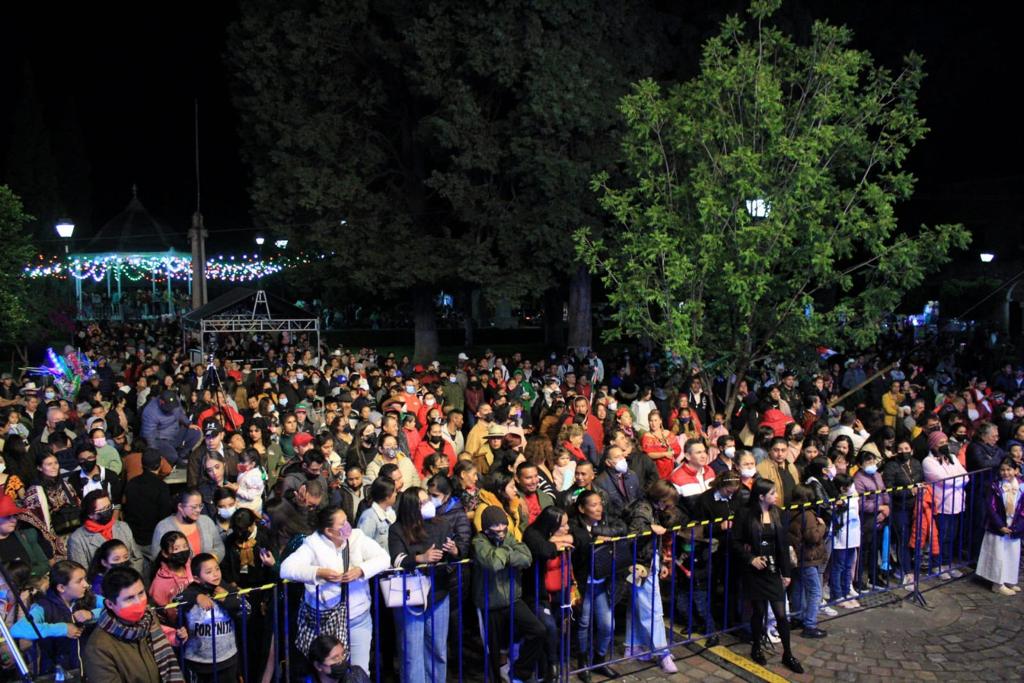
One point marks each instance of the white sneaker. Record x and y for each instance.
(828, 611)
(1015, 588)
(773, 636)
(1001, 589)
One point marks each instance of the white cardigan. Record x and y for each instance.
(317, 551)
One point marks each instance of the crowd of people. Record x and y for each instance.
(508, 491)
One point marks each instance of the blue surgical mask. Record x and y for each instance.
(870, 469)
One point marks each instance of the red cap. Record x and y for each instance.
(8, 508)
(302, 439)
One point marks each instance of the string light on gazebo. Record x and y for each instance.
(159, 267)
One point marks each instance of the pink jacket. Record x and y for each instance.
(166, 585)
(948, 480)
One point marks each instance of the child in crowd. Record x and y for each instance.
(999, 561)
(211, 650)
(170, 578)
(846, 542)
(564, 471)
(112, 553)
(60, 614)
(250, 481)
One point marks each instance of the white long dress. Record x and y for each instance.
(999, 560)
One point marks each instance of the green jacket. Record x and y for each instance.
(29, 539)
(490, 570)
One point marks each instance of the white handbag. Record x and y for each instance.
(405, 590)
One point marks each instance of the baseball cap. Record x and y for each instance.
(303, 406)
(211, 427)
(302, 439)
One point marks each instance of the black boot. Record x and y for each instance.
(757, 656)
(604, 669)
(581, 662)
(792, 663)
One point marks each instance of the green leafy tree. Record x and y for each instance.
(756, 214)
(456, 140)
(16, 314)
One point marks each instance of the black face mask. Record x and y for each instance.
(944, 450)
(87, 465)
(104, 517)
(489, 417)
(121, 565)
(339, 671)
(903, 456)
(179, 558)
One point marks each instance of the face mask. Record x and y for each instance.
(99, 443)
(87, 465)
(273, 379)
(49, 395)
(430, 402)
(179, 558)
(283, 400)
(299, 376)
(903, 456)
(104, 517)
(345, 531)
(944, 450)
(621, 466)
(748, 473)
(716, 423)
(339, 671)
(315, 380)
(730, 452)
(225, 513)
(134, 612)
(489, 417)
(119, 565)
(452, 379)
(438, 501)
(831, 471)
(428, 510)
(870, 469)
(684, 419)
(410, 390)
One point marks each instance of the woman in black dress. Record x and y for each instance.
(759, 541)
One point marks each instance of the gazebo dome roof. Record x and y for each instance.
(134, 230)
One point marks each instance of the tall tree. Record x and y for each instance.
(16, 315)
(455, 139)
(756, 215)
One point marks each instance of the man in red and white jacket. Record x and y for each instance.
(693, 476)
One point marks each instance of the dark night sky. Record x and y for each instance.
(133, 75)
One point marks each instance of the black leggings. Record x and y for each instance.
(757, 618)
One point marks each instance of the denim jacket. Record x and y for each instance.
(375, 522)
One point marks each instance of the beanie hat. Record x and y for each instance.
(934, 438)
(493, 516)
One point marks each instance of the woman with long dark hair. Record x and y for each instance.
(420, 537)
(760, 542)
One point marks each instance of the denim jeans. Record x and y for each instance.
(948, 526)
(178, 447)
(645, 628)
(360, 640)
(842, 572)
(806, 596)
(422, 635)
(597, 604)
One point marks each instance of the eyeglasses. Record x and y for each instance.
(192, 507)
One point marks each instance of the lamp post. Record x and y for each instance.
(66, 229)
(987, 257)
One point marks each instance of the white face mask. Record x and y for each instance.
(226, 513)
(730, 452)
(283, 400)
(428, 510)
(438, 501)
(621, 466)
(748, 473)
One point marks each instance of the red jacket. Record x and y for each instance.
(691, 482)
(424, 449)
(233, 420)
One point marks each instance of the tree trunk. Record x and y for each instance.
(468, 324)
(425, 321)
(580, 314)
(554, 327)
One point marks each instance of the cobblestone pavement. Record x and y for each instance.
(967, 633)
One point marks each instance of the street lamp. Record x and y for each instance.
(758, 208)
(260, 239)
(987, 257)
(65, 229)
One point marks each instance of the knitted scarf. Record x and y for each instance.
(148, 626)
(105, 530)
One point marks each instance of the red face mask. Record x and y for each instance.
(132, 613)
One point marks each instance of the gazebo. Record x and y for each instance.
(248, 311)
(132, 250)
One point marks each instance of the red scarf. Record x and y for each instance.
(106, 530)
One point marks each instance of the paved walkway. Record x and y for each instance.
(967, 633)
